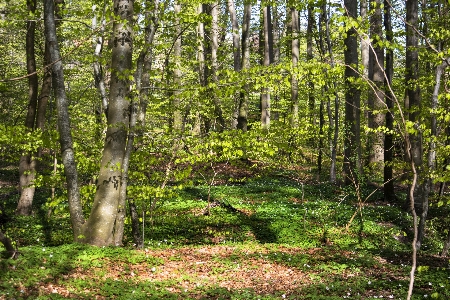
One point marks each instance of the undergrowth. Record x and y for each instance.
(261, 227)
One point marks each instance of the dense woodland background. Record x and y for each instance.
(108, 108)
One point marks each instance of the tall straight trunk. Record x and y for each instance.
(276, 33)
(309, 56)
(295, 53)
(245, 65)
(196, 130)
(44, 95)
(389, 194)
(27, 163)
(268, 59)
(177, 116)
(352, 99)
(214, 37)
(65, 135)
(376, 95)
(236, 57)
(98, 230)
(414, 101)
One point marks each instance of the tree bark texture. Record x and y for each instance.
(309, 56)
(176, 102)
(214, 37)
(98, 230)
(236, 57)
(352, 99)
(414, 106)
(268, 59)
(389, 194)
(295, 53)
(65, 135)
(376, 101)
(27, 163)
(245, 65)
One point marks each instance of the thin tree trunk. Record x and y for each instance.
(27, 163)
(8, 245)
(352, 100)
(196, 130)
(268, 59)
(309, 56)
(295, 53)
(376, 95)
(389, 194)
(214, 36)
(236, 57)
(98, 230)
(65, 135)
(176, 102)
(365, 40)
(245, 64)
(413, 94)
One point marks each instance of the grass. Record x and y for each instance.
(271, 238)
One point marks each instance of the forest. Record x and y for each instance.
(205, 149)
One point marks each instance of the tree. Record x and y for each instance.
(295, 52)
(376, 93)
(65, 135)
(388, 180)
(352, 99)
(245, 65)
(27, 164)
(99, 228)
(267, 61)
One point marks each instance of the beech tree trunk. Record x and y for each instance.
(268, 59)
(245, 65)
(295, 53)
(376, 94)
(176, 102)
(236, 57)
(309, 56)
(214, 37)
(352, 100)
(65, 135)
(27, 163)
(414, 106)
(98, 230)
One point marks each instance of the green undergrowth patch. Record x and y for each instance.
(344, 248)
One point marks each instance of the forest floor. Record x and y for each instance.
(267, 236)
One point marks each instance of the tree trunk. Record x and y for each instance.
(176, 102)
(98, 230)
(389, 194)
(236, 57)
(27, 163)
(352, 99)
(65, 135)
(376, 94)
(268, 59)
(214, 36)
(295, 53)
(245, 64)
(309, 56)
(413, 95)
(196, 130)
(365, 40)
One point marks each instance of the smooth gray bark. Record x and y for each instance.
(214, 37)
(98, 230)
(98, 70)
(65, 135)
(236, 57)
(295, 53)
(376, 101)
(268, 59)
